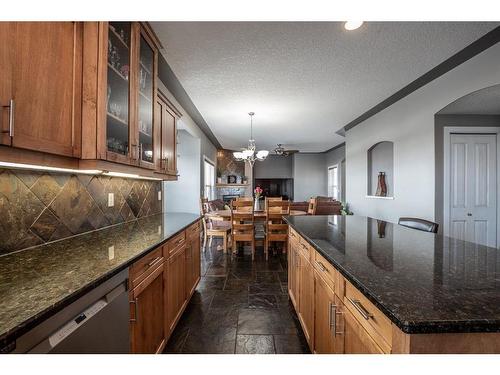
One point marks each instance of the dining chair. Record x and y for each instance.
(267, 199)
(311, 210)
(245, 199)
(242, 224)
(214, 228)
(419, 224)
(276, 228)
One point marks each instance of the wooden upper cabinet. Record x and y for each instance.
(119, 94)
(41, 64)
(119, 74)
(147, 130)
(167, 117)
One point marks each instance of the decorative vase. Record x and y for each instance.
(256, 204)
(381, 186)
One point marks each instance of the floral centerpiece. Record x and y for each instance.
(257, 192)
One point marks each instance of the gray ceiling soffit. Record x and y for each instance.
(473, 49)
(334, 148)
(169, 79)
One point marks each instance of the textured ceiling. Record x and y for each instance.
(482, 102)
(303, 80)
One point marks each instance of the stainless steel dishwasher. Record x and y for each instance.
(98, 322)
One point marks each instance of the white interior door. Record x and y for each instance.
(473, 195)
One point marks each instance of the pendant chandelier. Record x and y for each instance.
(248, 154)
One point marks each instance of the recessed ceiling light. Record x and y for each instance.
(353, 25)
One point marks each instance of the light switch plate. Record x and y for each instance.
(159, 229)
(111, 252)
(111, 199)
(159, 195)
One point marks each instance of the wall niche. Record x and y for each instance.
(381, 159)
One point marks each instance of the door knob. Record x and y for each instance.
(469, 214)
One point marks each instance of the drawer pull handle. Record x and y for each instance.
(135, 302)
(11, 107)
(358, 306)
(154, 261)
(322, 266)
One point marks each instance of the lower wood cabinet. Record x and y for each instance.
(176, 289)
(193, 262)
(328, 327)
(306, 298)
(161, 284)
(356, 339)
(147, 309)
(293, 272)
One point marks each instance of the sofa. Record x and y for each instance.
(321, 206)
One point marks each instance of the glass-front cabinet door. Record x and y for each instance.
(146, 100)
(118, 91)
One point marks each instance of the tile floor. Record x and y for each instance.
(239, 307)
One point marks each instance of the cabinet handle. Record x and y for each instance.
(135, 302)
(166, 165)
(332, 319)
(322, 267)
(361, 309)
(11, 107)
(154, 261)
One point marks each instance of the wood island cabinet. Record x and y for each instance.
(306, 298)
(293, 271)
(328, 327)
(337, 318)
(356, 339)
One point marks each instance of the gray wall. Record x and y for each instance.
(337, 156)
(183, 195)
(309, 176)
(442, 121)
(409, 123)
(381, 159)
(274, 167)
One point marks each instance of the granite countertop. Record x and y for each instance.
(36, 283)
(423, 282)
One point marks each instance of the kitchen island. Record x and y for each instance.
(365, 285)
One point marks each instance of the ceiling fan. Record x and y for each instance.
(281, 151)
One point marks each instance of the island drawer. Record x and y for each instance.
(145, 265)
(325, 269)
(305, 249)
(176, 242)
(294, 236)
(370, 317)
(193, 230)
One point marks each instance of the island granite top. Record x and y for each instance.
(423, 282)
(36, 283)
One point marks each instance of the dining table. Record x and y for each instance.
(226, 214)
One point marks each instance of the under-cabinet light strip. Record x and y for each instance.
(5, 164)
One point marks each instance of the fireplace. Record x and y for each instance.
(227, 198)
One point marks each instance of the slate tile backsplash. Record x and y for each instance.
(38, 207)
